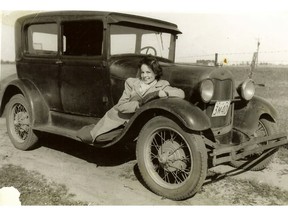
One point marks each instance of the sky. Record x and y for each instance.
(229, 28)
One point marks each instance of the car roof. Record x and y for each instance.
(111, 17)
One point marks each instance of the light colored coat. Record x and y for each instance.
(128, 103)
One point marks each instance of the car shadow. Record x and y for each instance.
(213, 176)
(112, 156)
(105, 157)
(252, 165)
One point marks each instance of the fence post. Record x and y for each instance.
(216, 59)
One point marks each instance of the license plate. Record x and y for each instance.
(221, 108)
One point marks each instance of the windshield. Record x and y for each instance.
(131, 40)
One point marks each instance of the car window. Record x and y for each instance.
(136, 40)
(42, 39)
(117, 45)
(82, 38)
(159, 41)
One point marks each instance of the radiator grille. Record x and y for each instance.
(223, 91)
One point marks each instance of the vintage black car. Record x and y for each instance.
(71, 69)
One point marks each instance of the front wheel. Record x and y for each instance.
(18, 121)
(172, 162)
(260, 160)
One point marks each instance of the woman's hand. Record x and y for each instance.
(162, 94)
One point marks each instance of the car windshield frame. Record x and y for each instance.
(130, 39)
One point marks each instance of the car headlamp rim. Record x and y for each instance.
(247, 89)
(207, 90)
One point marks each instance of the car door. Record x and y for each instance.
(84, 77)
(40, 59)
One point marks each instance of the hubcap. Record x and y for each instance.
(171, 156)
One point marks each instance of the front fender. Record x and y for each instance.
(39, 109)
(246, 115)
(189, 115)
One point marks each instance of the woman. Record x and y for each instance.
(136, 93)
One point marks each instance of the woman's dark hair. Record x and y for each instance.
(153, 63)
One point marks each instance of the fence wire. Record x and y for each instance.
(277, 57)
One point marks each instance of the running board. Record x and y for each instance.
(101, 140)
(66, 132)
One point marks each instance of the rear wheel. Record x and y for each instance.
(261, 160)
(172, 162)
(18, 121)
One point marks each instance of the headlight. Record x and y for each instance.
(247, 89)
(206, 90)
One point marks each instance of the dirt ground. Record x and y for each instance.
(111, 177)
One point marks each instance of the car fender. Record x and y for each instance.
(39, 108)
(188, 114)
(246, 115)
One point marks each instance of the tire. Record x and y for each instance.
(261, 160)
(172, 162)
(18, 121)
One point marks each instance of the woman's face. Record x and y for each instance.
(147, 75)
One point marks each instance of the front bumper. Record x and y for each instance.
(232, 153)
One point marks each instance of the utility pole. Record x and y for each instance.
(254, 60)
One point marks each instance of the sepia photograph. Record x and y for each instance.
(174, 103)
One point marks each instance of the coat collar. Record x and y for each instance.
(153, 88)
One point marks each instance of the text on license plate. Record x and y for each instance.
(221, 108)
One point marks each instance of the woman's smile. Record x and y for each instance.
(147, 75)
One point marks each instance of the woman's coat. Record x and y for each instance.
(129, 103)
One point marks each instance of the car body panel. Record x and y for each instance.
(190, 115)
(84, 87)
(37, 104)
(247, 114)
(186, 114)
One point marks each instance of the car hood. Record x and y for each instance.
(178, 74)
(190, 74)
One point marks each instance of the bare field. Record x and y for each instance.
(272, 84)
(6, 70)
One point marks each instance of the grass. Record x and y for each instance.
(283, 155)
(34, 188)
(245, 192)
(252, 192)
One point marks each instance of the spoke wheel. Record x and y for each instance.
(20, 118)
(172, 162)
(170, 158)
(260, 160)
(18, 123)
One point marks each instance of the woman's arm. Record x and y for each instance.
(125, 104)
(173, 92)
